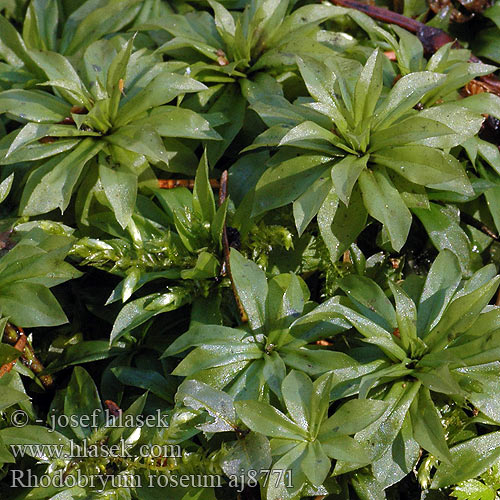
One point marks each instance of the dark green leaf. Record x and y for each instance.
(340, 225)
(51, 185)
(82, 400)
(263, 418)
(468, 460)
(385, 204)
(120, 188)
(251, 285)
(203, 196)
(427, 427)
(33, 105)
(148, 380)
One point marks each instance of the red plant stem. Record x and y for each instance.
(381, 14)
(19, 345)
(187, 183)
(391, 55)
(490, 80)
(226, 266)
(113, 408)
(11, 335)
(480, 226)
(223, 188)
(431, 38)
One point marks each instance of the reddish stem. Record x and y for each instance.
(187, 183)
(19, 345)
(381, 14)
(431, 38)
(226, 266)
(12, 335)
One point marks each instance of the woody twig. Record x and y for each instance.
(431, 38)
(12, 335)
(19, 345)
(226, 268)
(187, 183)
(480, 226)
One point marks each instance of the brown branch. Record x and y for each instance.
(28, 358)
(431, 38)
(223, 188)
(226, 249)
(187, 183)
(477, 224)
(19, 345)
(491, 81)
(381, 14)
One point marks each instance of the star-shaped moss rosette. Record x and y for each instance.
(48, 26)
(307, 439)
(99, 131)
(362, 148)
(441, 344)
(266, 35)
(255, 358)
(229, 46)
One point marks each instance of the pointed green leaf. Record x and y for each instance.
(203, 196)
(170, 121)
(426, 166)
(284, 183)
(345, 173)
(264, 418)
(441, 283)
(405, 94)
(93, 20)
(59, 69)
(161, 90)
(120, 188)
(33, 105)
(468, 459)
(82, 399)
(340, 225)
(316, 463)
(375, 304)
(297, 391)
(30, 305)
(427, 427)
(51, 185)
(446, 233)
(306, 206)
(384, 203)
(319, 83)
(251, 285)
(141, 139)
(5, 187)
(368, 87)
(116, 77)
(352, 417)
(218, 404)
(461, 314)
(406, 315)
